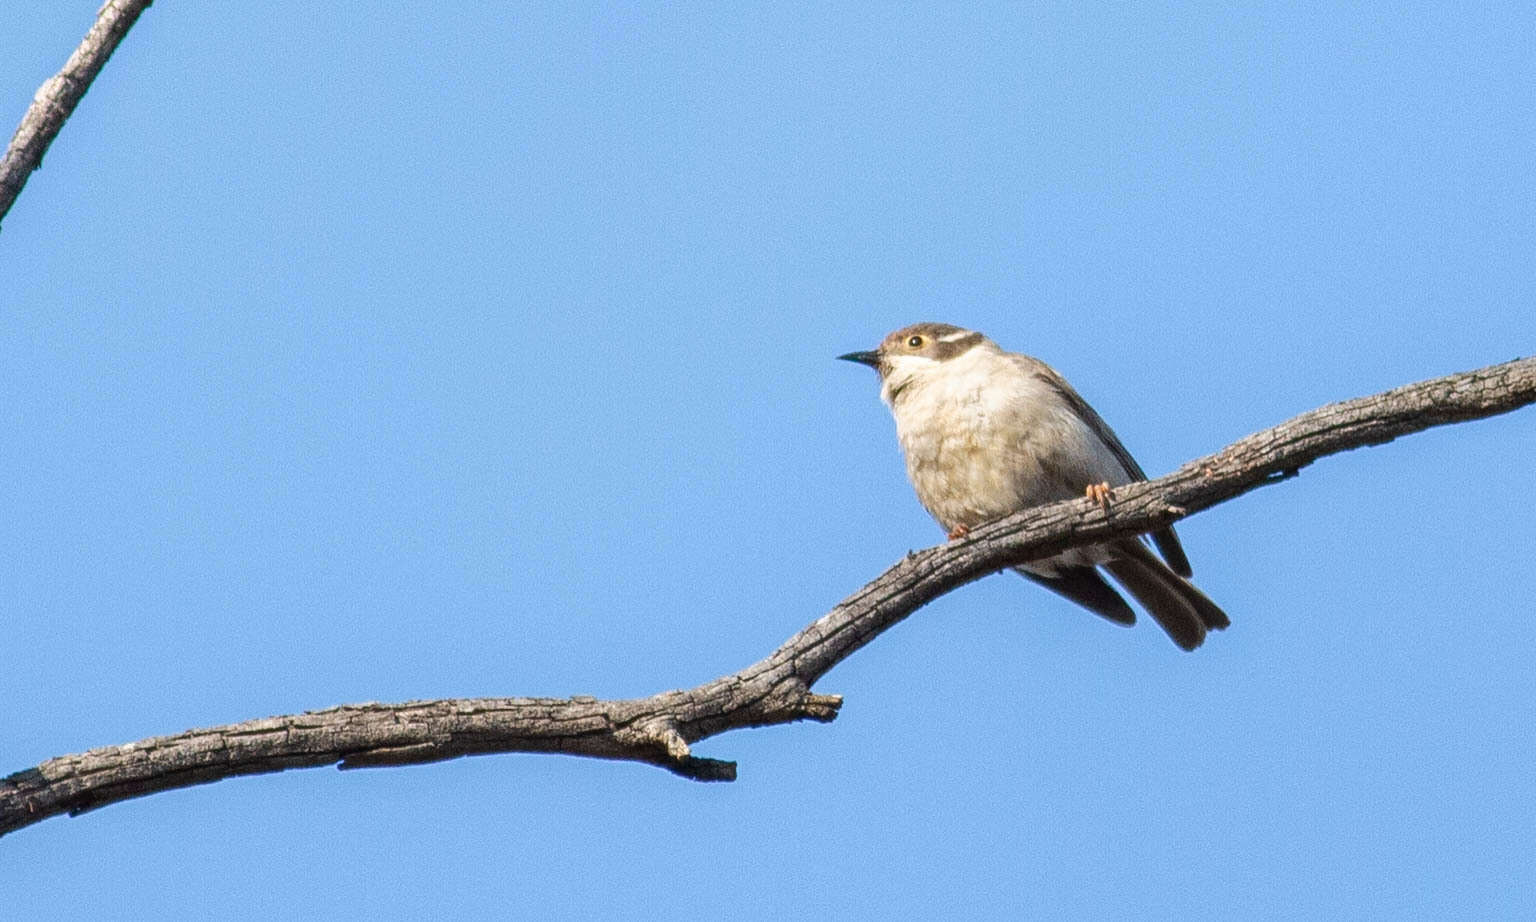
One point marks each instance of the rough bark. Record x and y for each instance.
(775, 690)
(56, 99)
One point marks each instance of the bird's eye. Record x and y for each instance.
(915, 342)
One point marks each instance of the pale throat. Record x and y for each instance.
(934, 382)
(901, 373)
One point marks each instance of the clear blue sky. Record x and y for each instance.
(379, 352)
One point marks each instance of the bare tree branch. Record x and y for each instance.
(775, 690)
(56, 99)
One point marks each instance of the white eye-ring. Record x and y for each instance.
(915, 342)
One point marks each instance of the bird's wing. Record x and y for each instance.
(1167, 542)
(1086, 413)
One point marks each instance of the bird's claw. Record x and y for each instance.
(1100, 493)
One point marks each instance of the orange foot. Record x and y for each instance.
(959, 531)
(1100, 493)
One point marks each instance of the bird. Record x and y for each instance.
(986, 433)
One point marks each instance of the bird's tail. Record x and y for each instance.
(1173, 601)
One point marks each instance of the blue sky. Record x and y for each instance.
(380, 353)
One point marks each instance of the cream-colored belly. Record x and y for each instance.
(974, 456)
(964, 475)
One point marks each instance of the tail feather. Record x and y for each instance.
(1173, 552)
(1182, 610)
(1161, 600)
(1087, 588)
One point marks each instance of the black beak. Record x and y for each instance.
(872, 359)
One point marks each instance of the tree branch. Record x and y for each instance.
(56, 99)
(658, 730)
